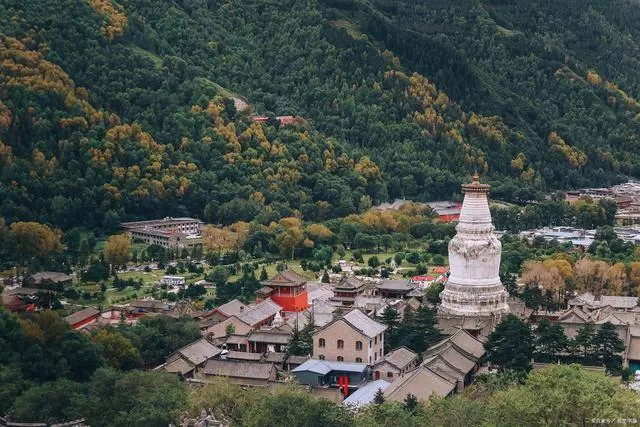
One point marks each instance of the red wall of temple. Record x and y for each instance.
(298, 302)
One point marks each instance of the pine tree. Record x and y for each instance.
(584, 339)
(411, 404)
(607, 346)
(550, 340)
(263, 274)
(325, 277)
(510, 345)
(378, 398)
(390, 318)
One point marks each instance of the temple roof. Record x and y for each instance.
(287, 278)
(349, 283)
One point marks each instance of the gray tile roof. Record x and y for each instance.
(54, 276)
(463, 340)
(236, 369)
(275, 357)
(297, 360)
(232, 308)
(350, 283)
(396, 285)
(422, 383)
(453, 357)
(364, 323)
(260, 312)
(199, 351)
(400, 357)
(591, 301)
(178, 366)
(270, 337)
(81, 315)
(242, 355)
(237, 339)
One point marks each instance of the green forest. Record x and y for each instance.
(130, 109)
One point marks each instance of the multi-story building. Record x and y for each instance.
(354, 337)
(348, 289)
(167, 232)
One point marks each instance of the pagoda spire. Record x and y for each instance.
(474, 288)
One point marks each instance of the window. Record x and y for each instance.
(375, 340)
(375, 356)
(369, 360)
(340, 359)
(389, 374)
(321, 356)
(340, 344)
(380, 352)
(358, 345)
(358, 359)
(321, 343)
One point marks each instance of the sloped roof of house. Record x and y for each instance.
(275, 357)
(237, 369)
(400, 357)
(297, 360)
(199, 351)
(81, 315)
(350, 283)
(611, 318)
(461, 339)
(450, 325)
(396, 285)
(260, 312)
(573, 315)
(270, 337)
(220, 329)
(323, 367)
(319, 293)
(288, 278)
(242, 355)
(232, 308)
(592, 301)
(364, 323)
(151, 304)
(237, 339)
(53, 276)
(422, 383)
(365, 394)
(452, 356)
(179, 365)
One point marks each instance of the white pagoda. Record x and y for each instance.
(474, 288)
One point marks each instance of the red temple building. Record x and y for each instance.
(288, 290)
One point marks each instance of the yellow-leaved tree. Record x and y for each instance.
(117, 250)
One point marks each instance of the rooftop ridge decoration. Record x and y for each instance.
(474, 288)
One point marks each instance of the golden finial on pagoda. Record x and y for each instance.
(476, 178)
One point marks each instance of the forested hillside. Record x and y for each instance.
(113, 110)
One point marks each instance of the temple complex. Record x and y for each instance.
(474, 288)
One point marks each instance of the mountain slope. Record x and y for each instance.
(536, 96)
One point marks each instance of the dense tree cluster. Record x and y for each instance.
(50, 373)
(513, 345)
(416, 330)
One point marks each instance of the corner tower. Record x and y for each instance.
(474, 288)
